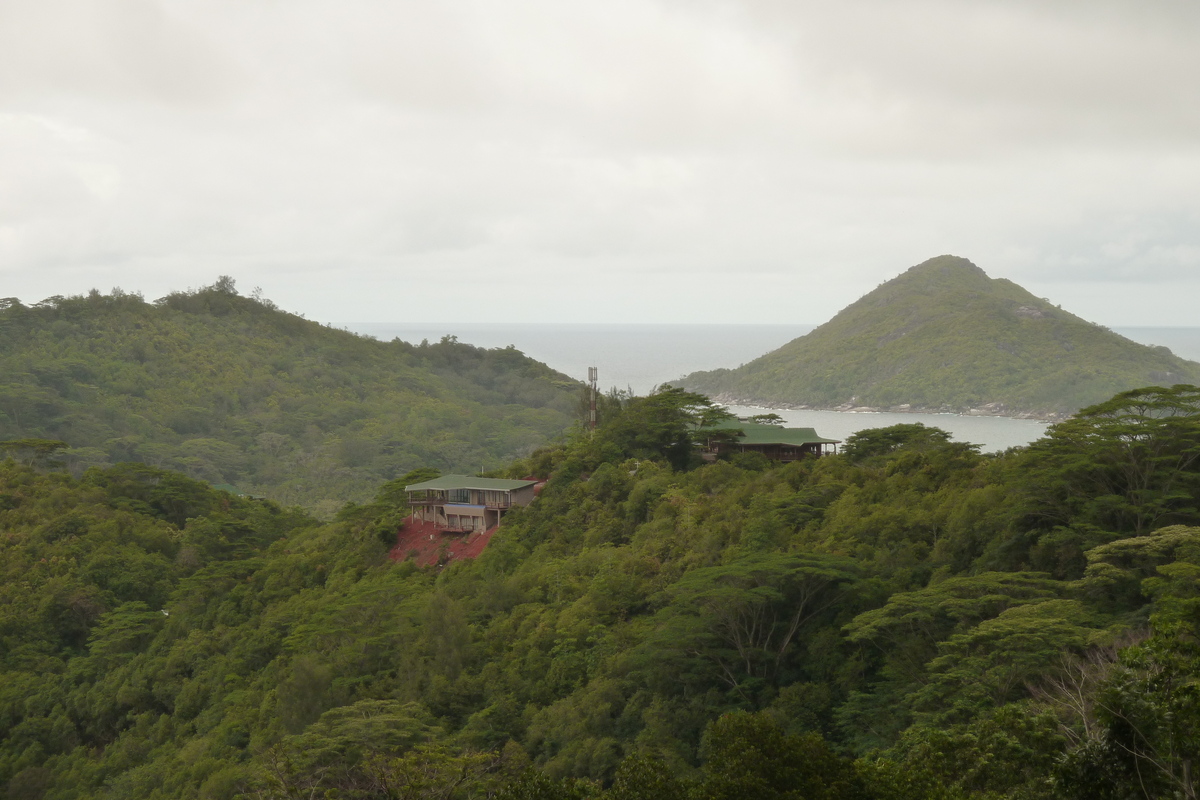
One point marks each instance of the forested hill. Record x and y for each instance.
(944, 336)
(968, 627)
(231, 390)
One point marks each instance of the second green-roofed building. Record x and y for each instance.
(773, 441)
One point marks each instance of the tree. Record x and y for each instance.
(347, 747)
(39, 452)
(883, 441)
(911, 624)
(224, 285)
(744, 617)
(1126, 572)
(665, 424)
(1149, 710)
(535, 785)
(748, 755)
(1124, 465)
(993, 662)
(1007, 752)
(641, 778)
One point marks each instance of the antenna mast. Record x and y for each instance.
(592, 375)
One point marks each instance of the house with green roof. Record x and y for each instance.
(773, 441)
(464, 504)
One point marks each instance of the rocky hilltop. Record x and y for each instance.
(943, 336)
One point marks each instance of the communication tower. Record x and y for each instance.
(592, 375)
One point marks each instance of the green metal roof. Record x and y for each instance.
(758, 433)
(468, 482)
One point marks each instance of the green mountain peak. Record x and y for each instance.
(945, 336)
(946, 266)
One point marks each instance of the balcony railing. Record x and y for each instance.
(441, 501)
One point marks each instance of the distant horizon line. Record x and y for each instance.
(675, 324)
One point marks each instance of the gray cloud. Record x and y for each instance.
(963, 76)
(352, 158)
(113, 49)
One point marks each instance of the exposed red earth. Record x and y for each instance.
(425, 544)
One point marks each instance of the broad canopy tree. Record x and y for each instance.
(1127, 465)
(664, 424)
(743, 618)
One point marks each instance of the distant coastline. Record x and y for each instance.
(985, 410)
(991, 433)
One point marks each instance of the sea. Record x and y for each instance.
(639, 357)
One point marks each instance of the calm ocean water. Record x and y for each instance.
(637, 357)
(640, 357)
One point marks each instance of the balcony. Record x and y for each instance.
(492, 503)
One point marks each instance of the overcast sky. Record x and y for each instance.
(615, 161)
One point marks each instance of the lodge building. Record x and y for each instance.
(463, 504)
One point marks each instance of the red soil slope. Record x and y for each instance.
(426, 545)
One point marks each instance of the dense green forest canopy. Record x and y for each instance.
(231, 390)
(910, 619)
(944, 336)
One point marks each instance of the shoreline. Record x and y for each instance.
(985, 410)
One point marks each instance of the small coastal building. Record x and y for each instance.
(463, 504)
(773, 441)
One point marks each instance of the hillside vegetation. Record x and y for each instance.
(231, 390)
(908, 620)
(944, 336)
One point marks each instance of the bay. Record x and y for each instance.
(992, 434)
